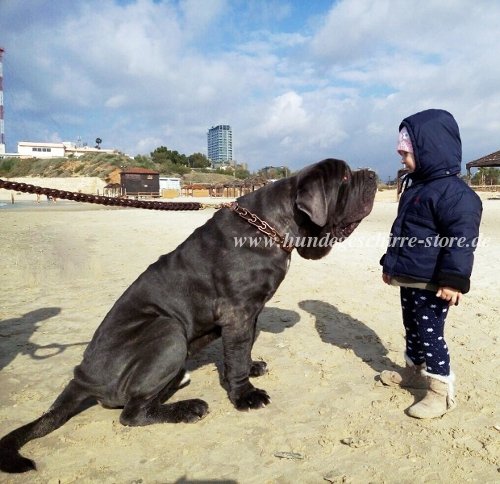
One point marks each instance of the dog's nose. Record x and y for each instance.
(368, 173)
(371, 173)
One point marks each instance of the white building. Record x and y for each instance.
(28, 149)
(32, 149)
(170, 183)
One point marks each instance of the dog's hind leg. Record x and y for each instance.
(140, 412)
(157, 375)
(65, 406)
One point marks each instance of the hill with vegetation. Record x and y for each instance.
(99, 165)
(106, 165)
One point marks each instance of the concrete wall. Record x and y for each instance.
(85, 184)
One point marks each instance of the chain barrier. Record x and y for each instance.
(250, 217)
(103, 200)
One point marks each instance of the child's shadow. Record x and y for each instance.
(342, 330)
(15, 337)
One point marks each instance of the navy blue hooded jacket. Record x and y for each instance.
(436, 230)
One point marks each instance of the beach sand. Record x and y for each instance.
(329, 330)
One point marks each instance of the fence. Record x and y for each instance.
(486, 188)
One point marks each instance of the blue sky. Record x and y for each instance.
(298, 81)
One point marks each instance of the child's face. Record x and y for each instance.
(408, 160)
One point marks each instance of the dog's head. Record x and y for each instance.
(331, 201)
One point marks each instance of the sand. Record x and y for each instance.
(331, 327)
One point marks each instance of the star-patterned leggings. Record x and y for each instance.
(424, 315)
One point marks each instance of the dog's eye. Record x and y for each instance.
(345, 178)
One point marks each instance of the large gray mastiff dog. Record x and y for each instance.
(208, 287)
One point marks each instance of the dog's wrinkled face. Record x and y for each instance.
(330, 203)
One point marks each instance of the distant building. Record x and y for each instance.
(33, 149)
(220, 144)
(275, 172)
(170, 183)
(28, 149)
(223, 165)
(170, 187)
(140, 182)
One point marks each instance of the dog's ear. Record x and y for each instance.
(311, 197)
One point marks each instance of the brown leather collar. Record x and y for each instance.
(260, 224)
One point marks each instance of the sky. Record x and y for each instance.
(298, 81)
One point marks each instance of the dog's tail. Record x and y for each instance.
(65, 406)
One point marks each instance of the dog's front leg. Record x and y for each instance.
(237, 342)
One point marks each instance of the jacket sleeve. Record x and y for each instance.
(459, 218)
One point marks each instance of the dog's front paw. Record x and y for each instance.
(253, 398)
(258, 368)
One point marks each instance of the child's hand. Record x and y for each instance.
(449, 294)
(386, 278)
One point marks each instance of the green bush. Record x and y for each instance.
(6, 165)
(486, 176)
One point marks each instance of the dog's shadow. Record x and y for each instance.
(15, 337)
(270, 320)
(342, 330)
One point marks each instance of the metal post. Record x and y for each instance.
(2, 126)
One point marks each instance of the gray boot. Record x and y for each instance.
(439, 398)
(409, 377)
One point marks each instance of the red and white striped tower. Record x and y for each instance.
(2, 128)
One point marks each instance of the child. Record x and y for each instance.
(430, 254)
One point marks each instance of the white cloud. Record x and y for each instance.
(285, 115)
(147, 73)
(116, 101)
(198, 15)
(147, 145)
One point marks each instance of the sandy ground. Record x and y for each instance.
(331, 327)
